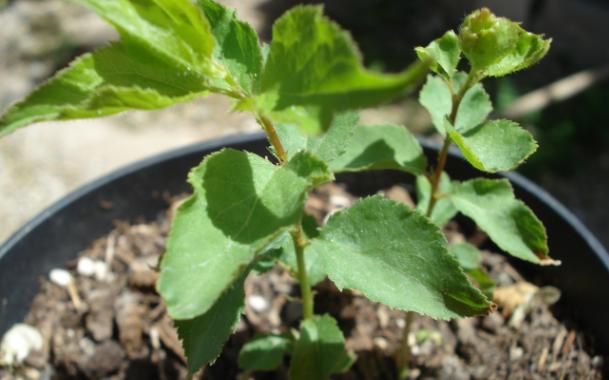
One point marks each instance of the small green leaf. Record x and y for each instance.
(507, 221)
(435, 96)
(497, 145)
(314, 71)
(319, 351)
(347, 147)
(204, 336)
(380, 147)
(466, 254)
(309, 167)
(473, 109)
(530, 48)
(396, 256)
(443, 210)
(264, 353)
(470, 260)
(241, 204)
(496, 46)
(237, 46)
(444, 52)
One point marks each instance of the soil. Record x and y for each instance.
(121, 331)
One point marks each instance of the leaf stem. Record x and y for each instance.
(300, 242)
(271, 134)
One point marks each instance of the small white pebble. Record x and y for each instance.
(86, 267)
(101, 270)
(400, 322)
(257, 303)
(61, 277)
(17, 344)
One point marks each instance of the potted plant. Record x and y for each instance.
(247, 211)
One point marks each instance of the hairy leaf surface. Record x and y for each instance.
(203, 337)
(241, 203)
(396, 256)
(507, 221)
(497, 145)
(314, 70)
(319, 351)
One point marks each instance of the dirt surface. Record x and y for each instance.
(117, 327)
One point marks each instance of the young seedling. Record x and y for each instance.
(246, 212)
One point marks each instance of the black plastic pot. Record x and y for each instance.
(59, 233)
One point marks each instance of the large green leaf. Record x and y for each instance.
(319, 351)
(444, 53)
(237, 45)
(507, 221)
(264, 353)
(443, 210)
(204, 336)
(111, 80)
(314, 70)
(497, 145)
(396, 256)
(435, 96)
(241, 202)
(470, 259)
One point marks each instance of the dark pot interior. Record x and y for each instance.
(59, 233)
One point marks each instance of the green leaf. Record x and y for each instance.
(529, 49)
(507, 221)
(347, 147)
(466, 254)
(497, 145)
(264, 353)
(435, 96)
(470, 260)
(314, 71)
(241, 203)
(176, 31)
(444, 52)
(237, 46)
(496, 46)
(308, 166)
(380, 147)
(111, 80)
(474, 109)
(319, 351)
(204, 336)
(396, 256)
(327, 146)
(443, 210)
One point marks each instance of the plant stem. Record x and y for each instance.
(300, 243)
(404, 353)
(271, 133)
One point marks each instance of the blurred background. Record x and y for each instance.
(563, 101)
